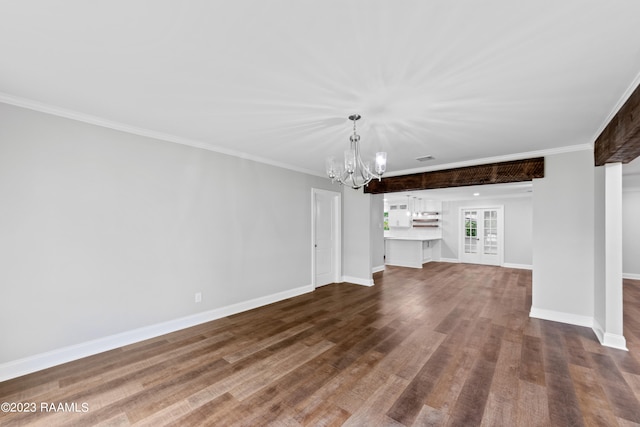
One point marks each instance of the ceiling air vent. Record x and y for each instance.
(424, 158)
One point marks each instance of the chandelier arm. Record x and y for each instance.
(364, 170)
(352, 179)
(343, 179)
(356, 172)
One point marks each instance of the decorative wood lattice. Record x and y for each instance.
(493, 173)
(620, 140)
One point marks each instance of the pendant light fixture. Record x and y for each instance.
(355, 172)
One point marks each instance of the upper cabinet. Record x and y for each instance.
(399, 215)
(413, 213)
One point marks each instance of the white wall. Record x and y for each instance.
(563, 239)
(631, 234)
(517, 227)
(104, 232)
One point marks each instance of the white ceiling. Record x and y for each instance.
(275, 80)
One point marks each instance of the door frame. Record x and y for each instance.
(500, 230)
(337, 233)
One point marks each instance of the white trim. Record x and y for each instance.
(337, 237)
(631, 276)
(621, 101)
(27, 365)
(520, 266)
(451, 260)
(607, 339)
(378, 269)
(466, 198)
(558, 316)
(598, 330)
(496, 159)
(123, 127)
(405, 264)
(615, 341)
(358, 280)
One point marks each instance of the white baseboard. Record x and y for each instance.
(377, 269)
(358, 280)
(520, 266)
(558, 316)
(405, 264)
(27, 365)
(506, 264)
(615, 341)
(631, 276)
(609, 340)
(597, 329)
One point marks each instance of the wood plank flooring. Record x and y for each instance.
(451, 344)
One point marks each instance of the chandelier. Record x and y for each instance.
(355, 172)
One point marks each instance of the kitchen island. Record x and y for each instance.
(409, 251)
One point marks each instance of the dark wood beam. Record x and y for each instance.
(493, 173)
(620, 140)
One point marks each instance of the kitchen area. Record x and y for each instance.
(412, 231)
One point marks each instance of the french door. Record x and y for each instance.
(482, 232)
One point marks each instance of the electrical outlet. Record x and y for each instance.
(198, 296)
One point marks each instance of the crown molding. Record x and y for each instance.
(467, 197)
(496, 159)
(618, 105)
(527, 195)
(123, 127)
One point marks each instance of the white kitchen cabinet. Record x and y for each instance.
(399, 215)
(409, 251)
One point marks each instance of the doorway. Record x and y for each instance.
(482, 235)
(326, 263)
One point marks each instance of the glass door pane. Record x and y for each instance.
(490, 234)
(471, 232)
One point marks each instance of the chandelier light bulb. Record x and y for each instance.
(350, 161)
(331, 168)
(381, 162)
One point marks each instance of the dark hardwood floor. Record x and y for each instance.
(451, 344)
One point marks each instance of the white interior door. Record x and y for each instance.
(326, 264)
(482, 236)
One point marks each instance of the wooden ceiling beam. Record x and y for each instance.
(492, 173)
(620, 140)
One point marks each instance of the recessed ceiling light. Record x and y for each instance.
(424, 158)
(476, 194)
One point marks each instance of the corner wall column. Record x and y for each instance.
(613, 305)
(356, 234)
